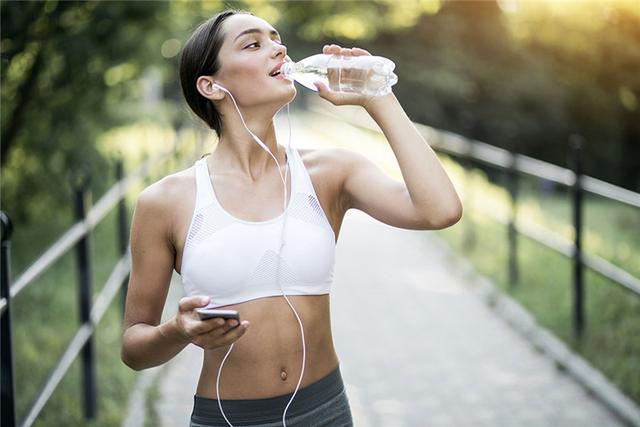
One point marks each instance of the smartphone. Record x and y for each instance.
(209, 313)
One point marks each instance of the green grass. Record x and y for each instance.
(45, 318)
(610, 341)
(46, 315)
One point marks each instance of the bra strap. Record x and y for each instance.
(203, 185)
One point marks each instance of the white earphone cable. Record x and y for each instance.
(304, 349)
(224, 359)
(282, 242)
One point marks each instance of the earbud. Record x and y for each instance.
(217, 86)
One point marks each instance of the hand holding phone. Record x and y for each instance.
(207, 334)
(210, 313)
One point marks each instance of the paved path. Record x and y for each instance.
(445, 359)
(418, 347)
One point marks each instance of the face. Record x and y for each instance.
(249, 53)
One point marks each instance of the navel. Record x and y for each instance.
(283, 374)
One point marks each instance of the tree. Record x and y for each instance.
(64, 65)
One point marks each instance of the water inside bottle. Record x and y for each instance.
(339, 80)
(307, 75)
(368, 76)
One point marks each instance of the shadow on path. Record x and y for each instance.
(417, 343)
(418, 346)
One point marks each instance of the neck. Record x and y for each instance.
(237, 150)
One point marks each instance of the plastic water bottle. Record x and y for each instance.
(366, 75)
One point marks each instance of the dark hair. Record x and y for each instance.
(200, 58)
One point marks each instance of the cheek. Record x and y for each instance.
(246, 71)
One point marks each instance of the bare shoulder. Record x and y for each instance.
(332, 160)
(169, 190)
(167, 202)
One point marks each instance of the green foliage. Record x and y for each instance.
(523, 77)
(41, 336)
(67, 67)
(593, 49)
(52, 325)
(544, 286)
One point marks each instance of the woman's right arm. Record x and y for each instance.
(146, 342)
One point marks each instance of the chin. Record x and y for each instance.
(288, 95)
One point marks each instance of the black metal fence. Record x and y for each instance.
(468, 151)
(77, 238)
(513, 166)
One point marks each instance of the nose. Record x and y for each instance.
(280, 49)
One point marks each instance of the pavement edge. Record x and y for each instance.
(545, 341)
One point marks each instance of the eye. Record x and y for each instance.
(258, 43)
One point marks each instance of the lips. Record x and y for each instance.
(276, 70)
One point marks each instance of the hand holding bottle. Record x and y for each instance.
(333, 74)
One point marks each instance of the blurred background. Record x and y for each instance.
(85, 84)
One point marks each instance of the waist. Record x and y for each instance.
(247, 411)
(267, 360)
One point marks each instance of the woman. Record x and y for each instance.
(217, 224)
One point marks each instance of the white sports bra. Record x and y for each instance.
(233, 260)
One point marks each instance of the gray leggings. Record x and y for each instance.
(323, 403)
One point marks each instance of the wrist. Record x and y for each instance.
(172, 331)
(377, 103)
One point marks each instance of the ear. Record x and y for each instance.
(208, 88)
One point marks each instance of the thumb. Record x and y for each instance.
(189, 303)
(322, 88)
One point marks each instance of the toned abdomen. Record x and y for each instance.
(266, 361)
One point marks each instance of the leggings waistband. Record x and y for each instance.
(271, 409)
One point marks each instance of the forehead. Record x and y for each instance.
(235, 24)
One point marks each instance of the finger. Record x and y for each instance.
(229, 325)
(216, 340)
(210, 325)
(345, 51)
(322, 88)
(358, 51)
(190, 303)
(203, 327)
(234, 334)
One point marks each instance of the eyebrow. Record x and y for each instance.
(256, 30)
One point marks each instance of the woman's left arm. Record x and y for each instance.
(427, 199)
(430, 195)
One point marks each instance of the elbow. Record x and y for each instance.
(128, 356)
(129, 361)
(132, 363)
(454, 216)
(444, 219)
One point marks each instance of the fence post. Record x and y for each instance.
(6, 339)
(123, 231)
(577, 142)
(468, 232)
(512, 186)
(83, 259)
